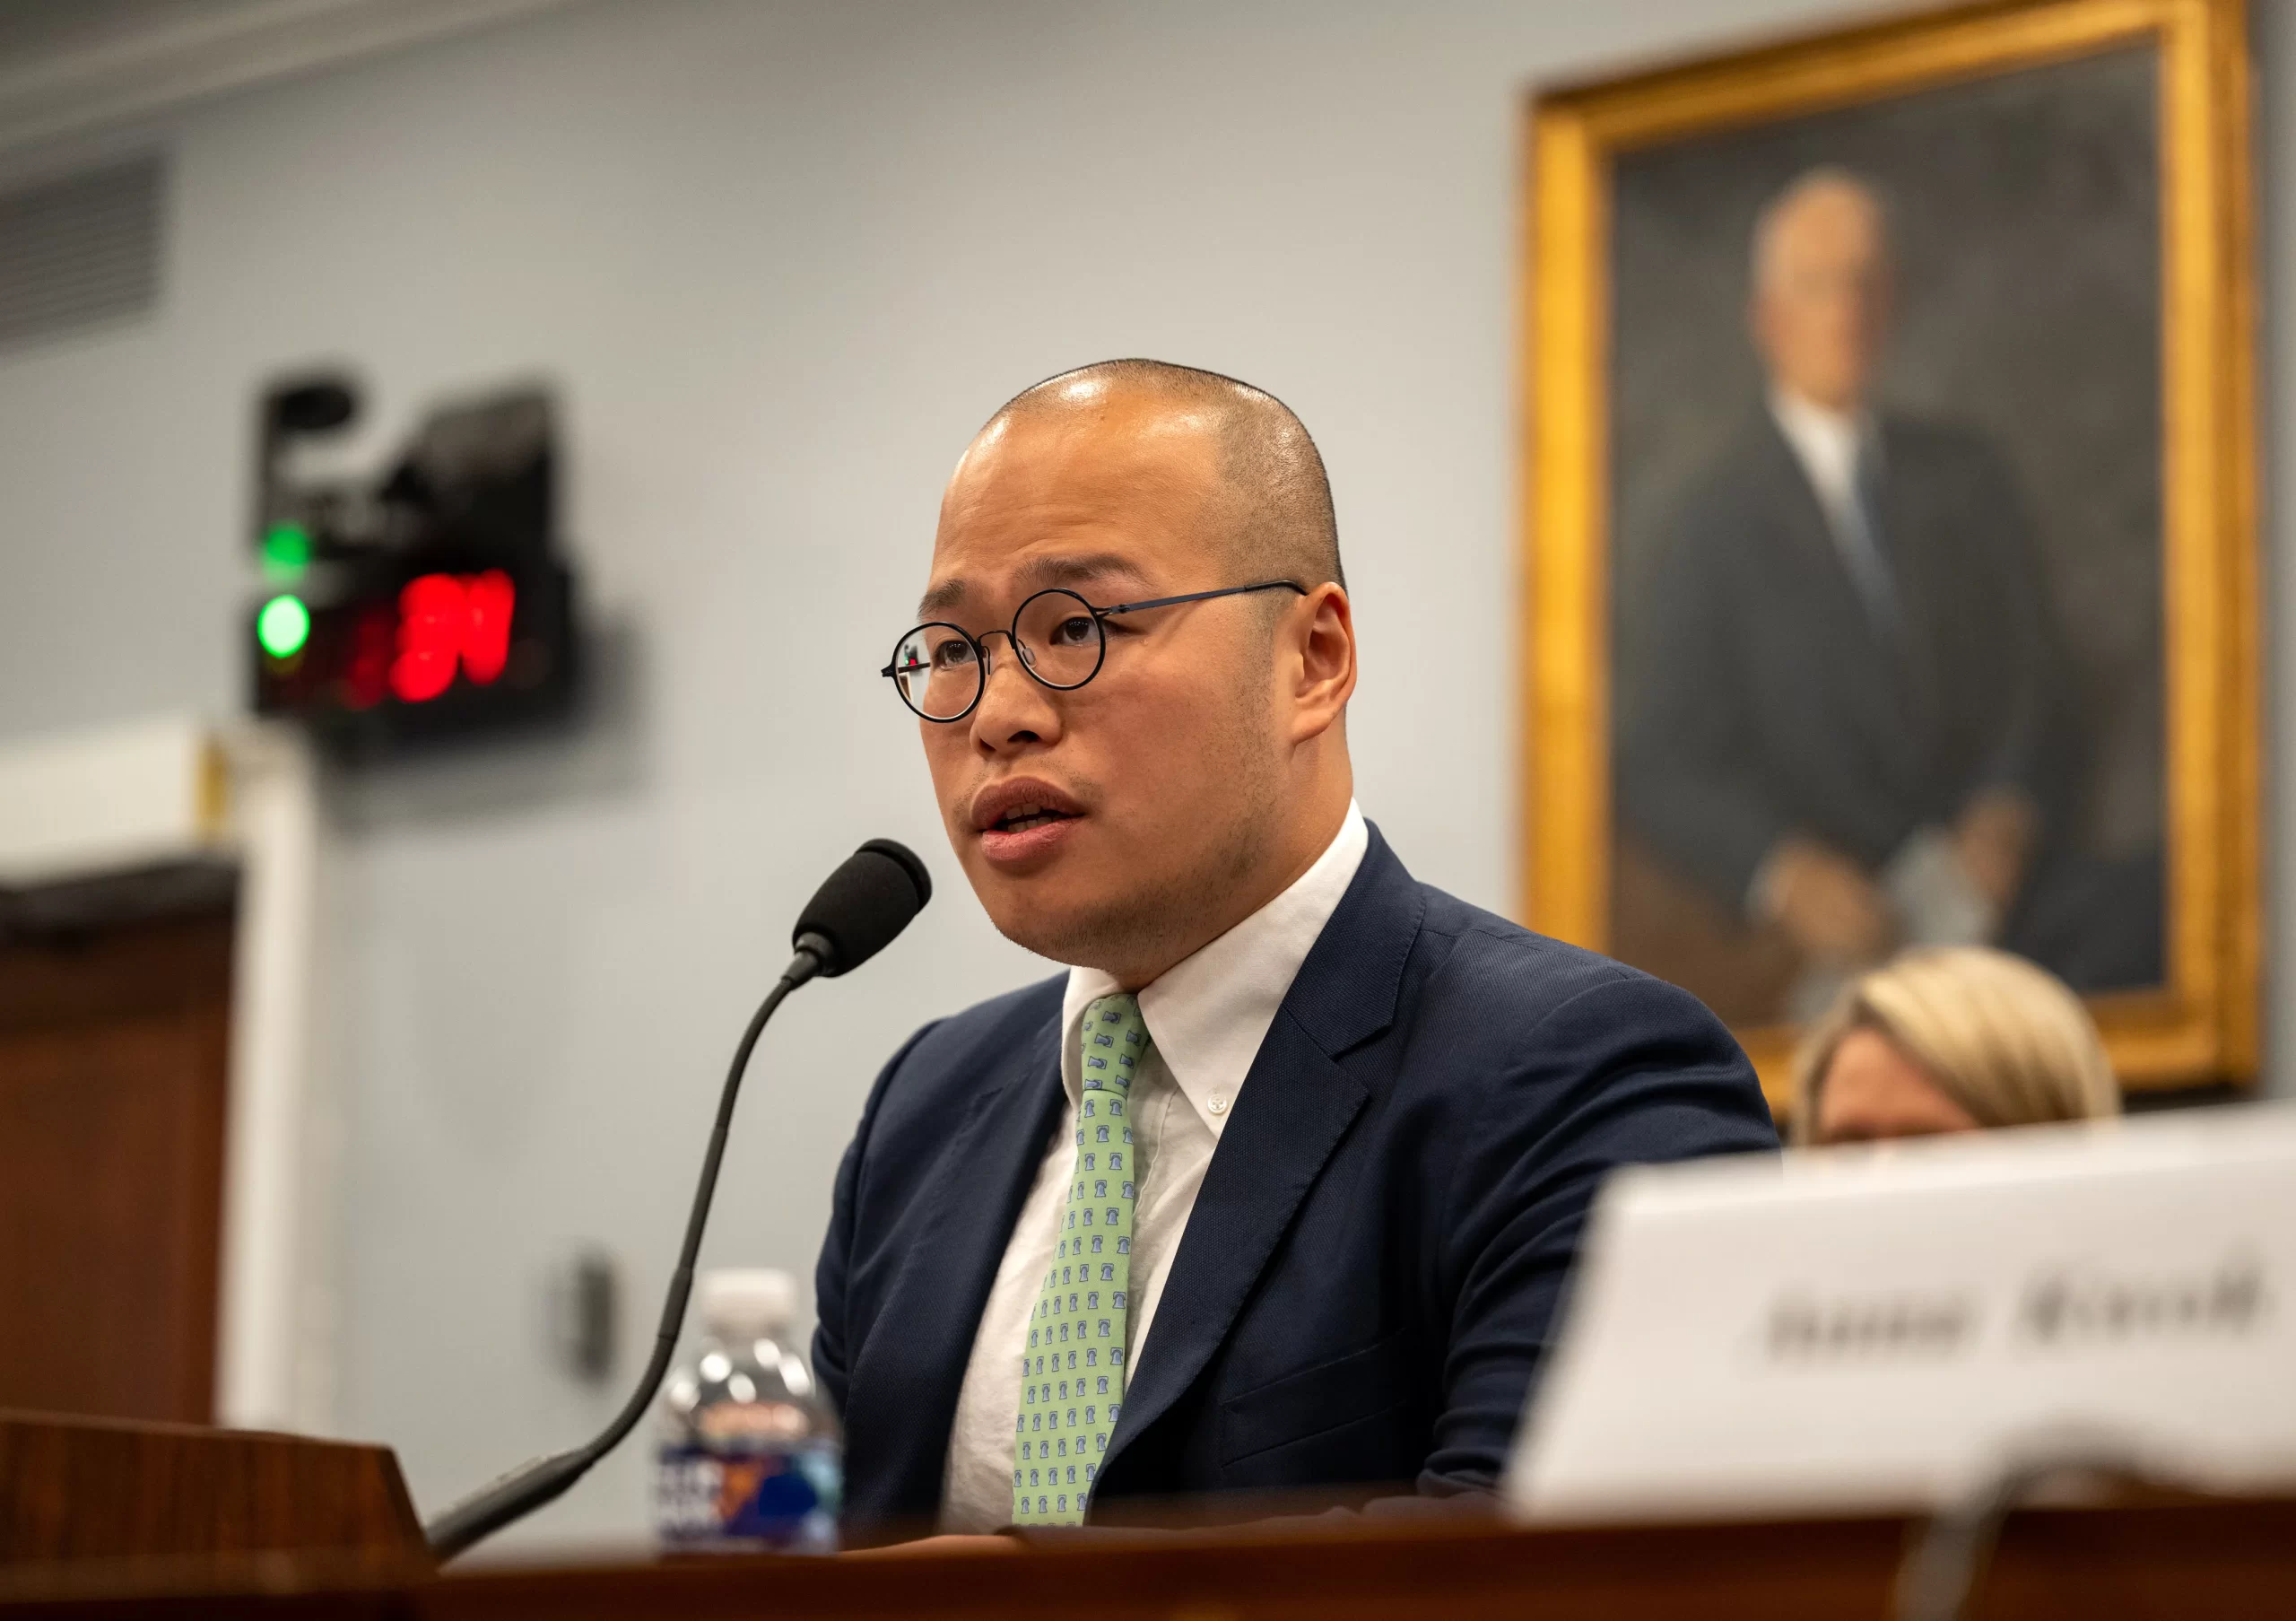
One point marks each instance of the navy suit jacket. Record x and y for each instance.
(1369, 1281)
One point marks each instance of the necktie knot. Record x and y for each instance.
(1112, 1039)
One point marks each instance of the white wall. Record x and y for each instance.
(781, 259)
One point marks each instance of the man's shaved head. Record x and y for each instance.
(1278, 506)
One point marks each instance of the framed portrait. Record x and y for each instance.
(1891, 543)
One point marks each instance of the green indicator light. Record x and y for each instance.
(284, 626)
(287, 548)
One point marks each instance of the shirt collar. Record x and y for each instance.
(1825, 441)
(1208, 1013)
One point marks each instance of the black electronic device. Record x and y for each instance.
(435, 602)
(869, 899)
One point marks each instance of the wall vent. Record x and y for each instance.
(78, 250)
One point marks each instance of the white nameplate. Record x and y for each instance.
(1871, 1330)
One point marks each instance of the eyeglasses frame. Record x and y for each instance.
(979, 644)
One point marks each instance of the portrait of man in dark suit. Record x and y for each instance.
(1854, 716)
(1885, 613)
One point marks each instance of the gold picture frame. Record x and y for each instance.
(2201, 1023)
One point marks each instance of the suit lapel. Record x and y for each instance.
(913, 1366)
(1901, 522)
(1295, 1105)
(1865, 666)
(1809, 534)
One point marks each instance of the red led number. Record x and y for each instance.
(447, 622)
(487, 599)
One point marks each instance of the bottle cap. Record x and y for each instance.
(747, 1302)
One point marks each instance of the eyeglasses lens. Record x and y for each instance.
(937, 672)
(1060, 637)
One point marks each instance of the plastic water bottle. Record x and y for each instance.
(751, 1458)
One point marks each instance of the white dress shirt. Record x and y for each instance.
(1206, 1017)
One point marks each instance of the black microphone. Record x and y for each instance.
(851, 917)
(865, 904)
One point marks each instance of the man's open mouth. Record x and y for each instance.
(1006, 813)
(1021, 818)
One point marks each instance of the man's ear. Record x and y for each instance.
(1322, 635)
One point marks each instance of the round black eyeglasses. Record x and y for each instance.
(940, 670)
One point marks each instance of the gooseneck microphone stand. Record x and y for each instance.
(854, 915)
(531, 1485)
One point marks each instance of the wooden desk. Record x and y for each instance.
(2182, 1561)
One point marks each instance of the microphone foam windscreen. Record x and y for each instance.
(866, 902)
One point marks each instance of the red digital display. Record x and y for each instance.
(416, 653)
(448, 622)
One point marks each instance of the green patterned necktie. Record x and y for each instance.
(1072, 1374)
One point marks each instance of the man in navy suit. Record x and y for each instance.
(1277, 1189)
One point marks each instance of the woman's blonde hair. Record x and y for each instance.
(2004, 1039)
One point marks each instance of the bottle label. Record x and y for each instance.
(708, 1498)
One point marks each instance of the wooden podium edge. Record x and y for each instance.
(74, 1490)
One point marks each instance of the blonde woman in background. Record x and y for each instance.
(1949, 1039)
